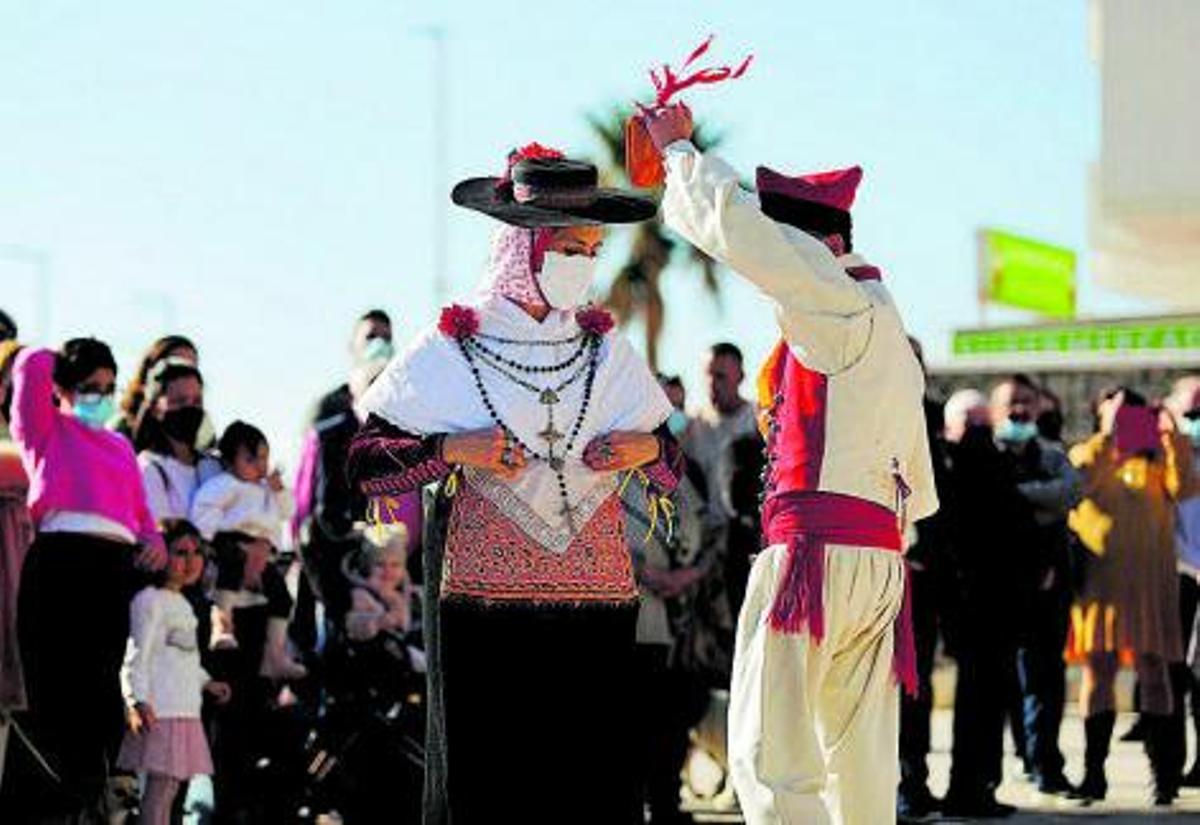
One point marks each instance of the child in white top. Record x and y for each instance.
(248, 497)
(243, 511)
(164, 682)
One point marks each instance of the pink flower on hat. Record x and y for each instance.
(594, 320)
(458, 322)
(530, 151)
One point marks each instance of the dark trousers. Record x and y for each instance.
(257, 746)
(1043, 674)
(1189, 602)
(537, 713)
(73, 620)
(984, 659)
(915, 711)
(667, 698)
(1014, 712)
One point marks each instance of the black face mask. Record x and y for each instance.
(183, 424)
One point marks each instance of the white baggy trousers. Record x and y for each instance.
(814, 728)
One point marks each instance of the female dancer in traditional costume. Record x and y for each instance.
(531, 415)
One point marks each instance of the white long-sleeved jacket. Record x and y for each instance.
(847, 330)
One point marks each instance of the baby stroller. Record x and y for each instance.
(365, 753)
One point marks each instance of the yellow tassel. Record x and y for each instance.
(653, 509)
(629, 476)
(656, 503)
(668, 508)
(451, 486)
(374, 518)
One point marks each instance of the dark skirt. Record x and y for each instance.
(536, 705)
(73, 619)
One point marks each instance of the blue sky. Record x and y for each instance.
(257, 174)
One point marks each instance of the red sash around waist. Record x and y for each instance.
(831, 517)
(808, 522)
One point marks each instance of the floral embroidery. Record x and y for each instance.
(458, 322)
(490, 558)
(554, 538)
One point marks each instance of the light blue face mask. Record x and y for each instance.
(93, 409)
(377, 349)
(1016, 432)
(1191, 428)
(677, 423)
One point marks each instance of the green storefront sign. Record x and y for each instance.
(1026, 274)
(1114, 338)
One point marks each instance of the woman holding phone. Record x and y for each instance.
(1134, 470)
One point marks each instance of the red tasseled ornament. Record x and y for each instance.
(642, 161)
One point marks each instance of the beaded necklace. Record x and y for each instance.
(548, 397)
(544, 395)
(496, 339)
(489, 353)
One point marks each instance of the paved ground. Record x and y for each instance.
(1128, 773)
(1129, 776)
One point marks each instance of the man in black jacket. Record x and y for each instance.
(930, 569)
(990, 551)
(1049, 486)
(327, 505)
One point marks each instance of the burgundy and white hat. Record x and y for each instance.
(817, 203)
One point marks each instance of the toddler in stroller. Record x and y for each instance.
(372, 717)
(381, 596)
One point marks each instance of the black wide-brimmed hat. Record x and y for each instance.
(546, 190)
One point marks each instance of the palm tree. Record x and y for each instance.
(636, 291)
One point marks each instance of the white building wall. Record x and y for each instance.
(1145, 199)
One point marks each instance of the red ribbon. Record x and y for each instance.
(667, 83)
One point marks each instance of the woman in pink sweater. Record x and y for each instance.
(93, 527)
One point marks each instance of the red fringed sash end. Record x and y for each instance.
(807, 523)
(799, 599)
(904, 657)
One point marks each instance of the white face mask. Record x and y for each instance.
(565, 279)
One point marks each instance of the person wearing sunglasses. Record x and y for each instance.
(94, 528)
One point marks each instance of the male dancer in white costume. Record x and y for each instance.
(823, 634)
